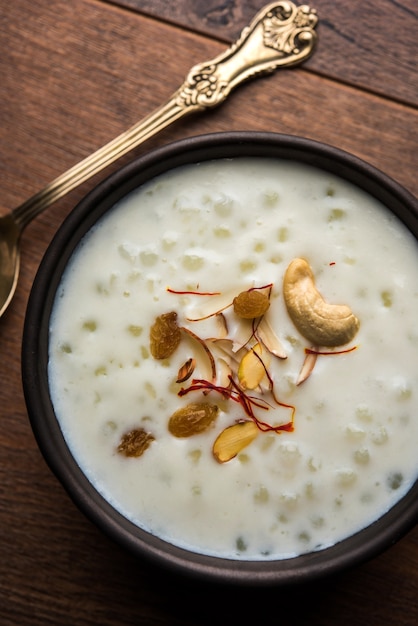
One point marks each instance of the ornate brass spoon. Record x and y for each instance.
(281, 34)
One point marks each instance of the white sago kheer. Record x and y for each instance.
(234, 358)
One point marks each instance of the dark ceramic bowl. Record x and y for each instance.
(347, 553)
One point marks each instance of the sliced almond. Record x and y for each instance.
(224, 371)
(252, 367)
(307, 367)
(204, 345)
(222, 325)
(242, 334)
(225, 349)
(186, 370)
(269, 338)
(233, 439)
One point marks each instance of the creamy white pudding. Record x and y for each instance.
(224, 227)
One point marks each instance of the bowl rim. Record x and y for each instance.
(365, 544)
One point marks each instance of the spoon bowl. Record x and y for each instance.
(9, 259)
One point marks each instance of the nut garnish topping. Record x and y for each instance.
(307, 367)
(186, 370)
(252, 367)
(233, 439)
(240, 356)
(321, 323)
(269, 338)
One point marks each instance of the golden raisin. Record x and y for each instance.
(134, 443)
(164, 335)
(192, 419)
(251, 304)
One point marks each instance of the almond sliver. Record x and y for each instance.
(233, 439)
(252, 368)
(269, 338)
(307, 367)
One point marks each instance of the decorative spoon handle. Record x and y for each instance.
(280, 35)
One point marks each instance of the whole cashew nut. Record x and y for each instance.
(321, 323)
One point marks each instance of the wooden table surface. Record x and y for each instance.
(73, 75)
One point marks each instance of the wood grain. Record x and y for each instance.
(370, 45)
(73, 76)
